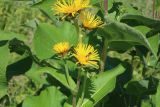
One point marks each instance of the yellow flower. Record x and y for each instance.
(70, 7)
(61, 48)
(89, 20)
(86, 55)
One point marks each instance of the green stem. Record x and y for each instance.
(74, 98)
(103, 56)
(67, 77)
(84, 87)
(67, 72)
(80, 38)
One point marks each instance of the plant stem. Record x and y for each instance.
(103, 56)
(153, 7)
(80, 38)
(84, 87)
(104, 50)
(67, 72)
(74, 99)
(73, 93)
(106, 6)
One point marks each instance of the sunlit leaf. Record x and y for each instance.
(50, 97)
(47, 35)
(10, 35)
(4, 59)
(38, 76)
(116, 32)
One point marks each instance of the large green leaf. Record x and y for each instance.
(103, 83)
(153, 40)
(37, 76)
(10, 35)
(47, 35)
(50, 97)
(4, 59)
(120, 33)
(136, 20)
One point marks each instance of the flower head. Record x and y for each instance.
(89, 20)
(61, 48)
(70, 6)
(86, 55)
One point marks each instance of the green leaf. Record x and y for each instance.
(137, 88)
(46, 7)
(37, 75)
(116, 32)
(50, 97)
(47, 35)
(10, 35)
(4, 60)
(104, 83)
(137, 20)
(94, 2)
(154, 42)
(143, 29)
(146, 103)
(156, 97)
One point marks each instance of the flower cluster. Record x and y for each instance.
(85, 54)
(70, 6)
(73, 7)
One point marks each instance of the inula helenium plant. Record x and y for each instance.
(79, 53)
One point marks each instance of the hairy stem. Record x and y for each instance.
(104, 50)
(103, 56)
